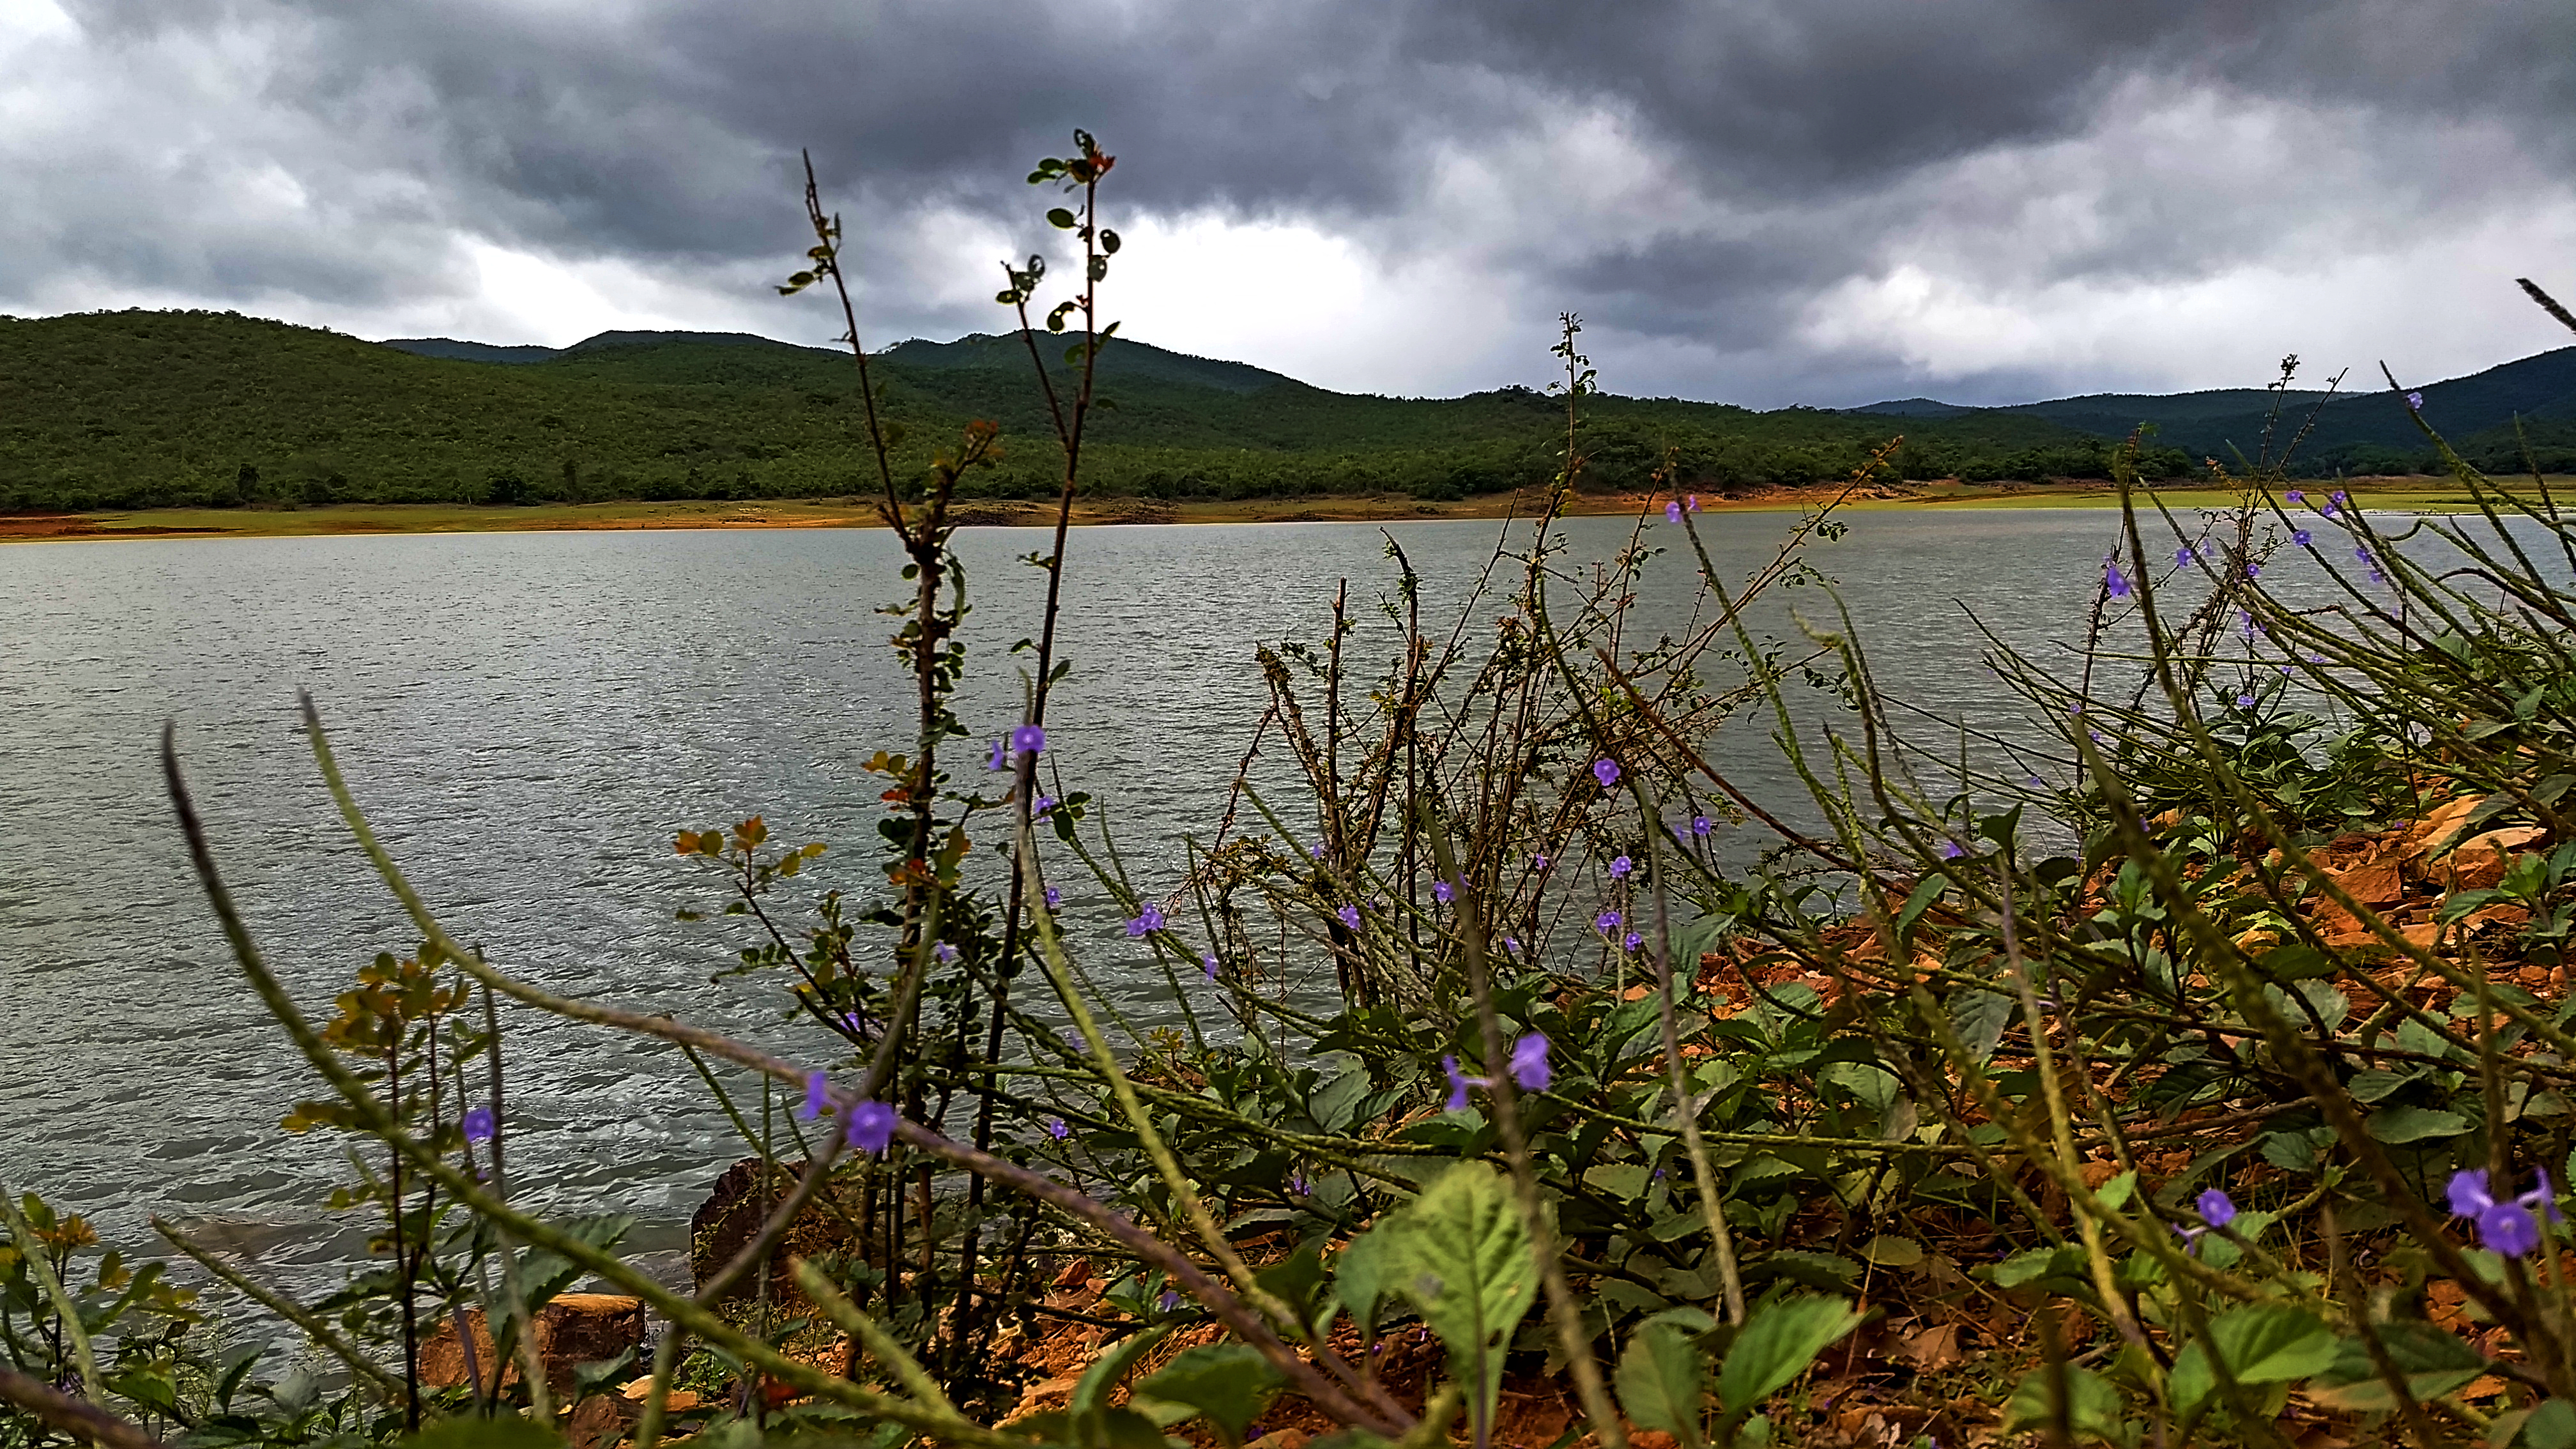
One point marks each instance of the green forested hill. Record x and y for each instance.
(136, 409)
(2488, 416)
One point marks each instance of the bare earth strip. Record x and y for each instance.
(2434, 495)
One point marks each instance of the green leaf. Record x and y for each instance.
(1619, 1179)
(2432, 1362)
(2220, 1252)
(1776, 1344)
(1662, 1382)
(1931, 889)
(2296, 962)
(1888, 1251)
(1124, 1428)
(2034, 1264)
(2415, 1124)
(1229, 1383)
(1363, 1274)
(2092, 1407)
(2466, 904)
(546, 1273)
(506, 1433)
(2271, 1342)
(1979, 1017)
(1464, 1259)
(1298, 1281)
(2551, 1426)
(1060, 218)
(2373, 1084)
(1092, 1391)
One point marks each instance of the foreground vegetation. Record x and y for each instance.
(2189, 1066)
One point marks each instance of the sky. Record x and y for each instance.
(1767, 202)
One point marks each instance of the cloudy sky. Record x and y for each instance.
(1758, 201)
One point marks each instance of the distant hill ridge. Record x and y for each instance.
(2359, 429)
(144, 408)
(975, 351)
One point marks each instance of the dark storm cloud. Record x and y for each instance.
(1745, 160)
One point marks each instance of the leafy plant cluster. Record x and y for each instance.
(2197, 1056)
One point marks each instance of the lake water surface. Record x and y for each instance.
(529, 717)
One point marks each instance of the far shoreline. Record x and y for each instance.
(2415, 494)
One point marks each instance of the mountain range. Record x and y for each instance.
(2348, 430)
(144, 408)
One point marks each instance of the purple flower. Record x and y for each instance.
(1511, 943)
(2296, 496)
(1441, 892)
(1620, 867)
(1950, 850)
(1149, 917)
(2339, 496)
(1054, 898)
(871, 1126)
(1694, 503)
(1529, 1063)
(2300, 536)
(2217, 1210)
(818, 1094)
(2244, 701)
(2182, 556)
(2468, 1192)
(1538, 862)
(2362, 554)
(2414, 402)
(1631, 941)
(1045, 804)
(1169, 1301)
(1607, 921)
(1028, 739)
(2115, 581)
(2506, 1227)
(1000, 759)
(946, 953)
(1700, 825)
(2329, 511)
(1298, 1186)
(1208, 965)
(1349, 916)
(1057, 1130)
(1316, 850)
(2253, 571)
(1673, 511)
(478, 1124)
(1606, 770)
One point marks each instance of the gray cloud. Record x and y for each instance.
(1758, 200)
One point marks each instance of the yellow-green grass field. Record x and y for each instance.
(2432, 495)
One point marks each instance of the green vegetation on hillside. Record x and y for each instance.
(158, 409)
(148, 409)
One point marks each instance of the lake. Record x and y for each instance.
(529, 717)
